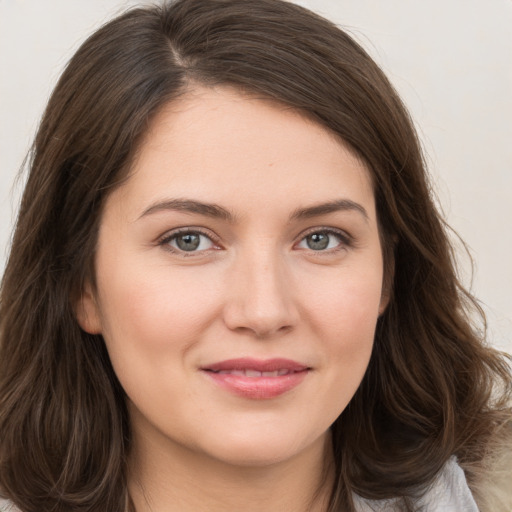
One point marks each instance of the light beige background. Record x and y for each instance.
(451, 60)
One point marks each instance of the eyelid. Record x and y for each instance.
(346, 238)
(164, 240)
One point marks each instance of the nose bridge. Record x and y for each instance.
(261, 298)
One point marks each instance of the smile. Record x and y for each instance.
(255, 379)
(255, 373)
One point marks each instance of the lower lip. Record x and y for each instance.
(258, 388)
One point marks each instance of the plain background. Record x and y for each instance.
(451, 61)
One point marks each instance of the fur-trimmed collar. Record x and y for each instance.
(491, 481)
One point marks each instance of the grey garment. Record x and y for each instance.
(7, 506)
(448, 493)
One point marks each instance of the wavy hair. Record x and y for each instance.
(432, 389)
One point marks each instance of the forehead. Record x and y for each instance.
(218, 144)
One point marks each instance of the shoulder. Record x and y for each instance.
(491, 480)
(449, 492)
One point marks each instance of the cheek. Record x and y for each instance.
(346, 319)
(152, 320)
(351, 306)
(156, 310)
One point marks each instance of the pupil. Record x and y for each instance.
(318, 241)
(189, 242)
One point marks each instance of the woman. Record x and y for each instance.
(229, 287)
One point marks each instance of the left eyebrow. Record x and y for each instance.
(329, 207)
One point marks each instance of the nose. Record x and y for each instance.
(261, 299)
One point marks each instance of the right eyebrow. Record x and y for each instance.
(190, 206)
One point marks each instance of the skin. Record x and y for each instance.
(254, 287)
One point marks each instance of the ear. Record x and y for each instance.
(87, 311)
(384, 299)
(388, 280)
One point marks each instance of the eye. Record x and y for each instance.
(324, 240)
(188, 241)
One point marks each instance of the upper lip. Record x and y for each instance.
(261, 365)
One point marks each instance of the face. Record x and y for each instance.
(239, 279)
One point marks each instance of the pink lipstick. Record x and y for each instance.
(257, 379)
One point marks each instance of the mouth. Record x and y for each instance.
(253, 373)
(257, 379)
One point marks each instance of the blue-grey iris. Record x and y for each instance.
(188, 241)
(318, 241)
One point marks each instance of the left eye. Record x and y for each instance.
(321, 241)
(189, 241)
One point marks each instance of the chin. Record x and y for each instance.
(261, 450)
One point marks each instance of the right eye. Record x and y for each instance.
(188, 241)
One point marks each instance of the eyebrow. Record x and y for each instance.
(329, 207)
(191, 206)
(215, 211)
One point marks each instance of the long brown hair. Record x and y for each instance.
(432, 388)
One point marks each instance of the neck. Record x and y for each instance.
(176, 479)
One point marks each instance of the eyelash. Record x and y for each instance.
(346, 240)
(166, 240)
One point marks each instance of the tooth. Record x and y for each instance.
(237, 372)
(270, 374)
(284, 371)
(252, 373)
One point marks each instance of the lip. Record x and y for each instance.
(240, 376)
